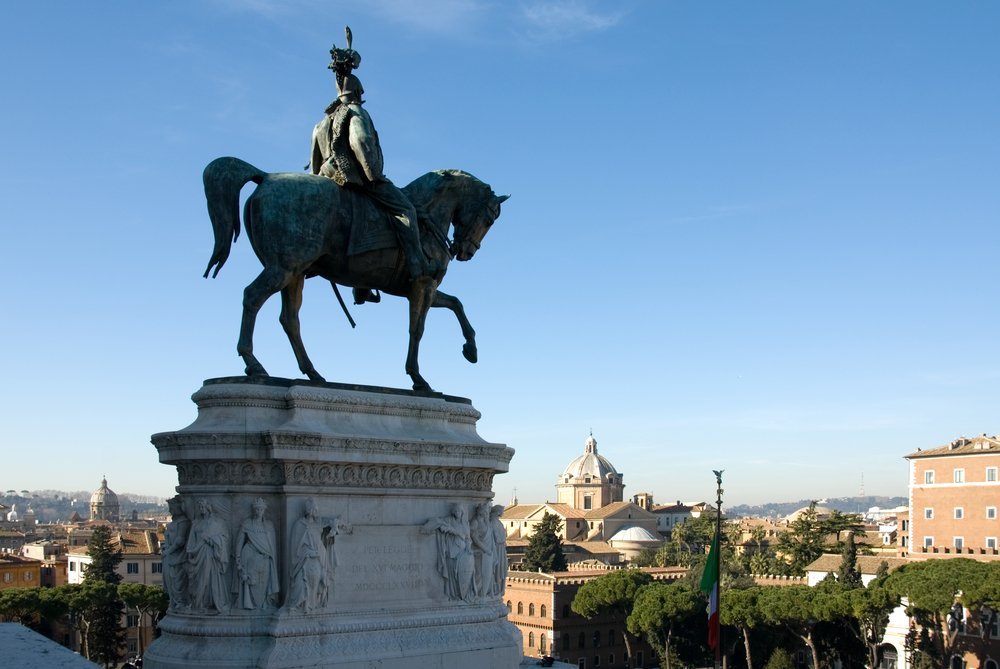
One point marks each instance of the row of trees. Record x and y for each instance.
(93, 608)
(805, 539)
(837, 620)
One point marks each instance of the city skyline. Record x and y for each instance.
(751, 238)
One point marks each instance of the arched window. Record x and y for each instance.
(990, 664)
(509, 609)
(565, 610)
(597, 638)
(531, 639)
(582, 642)
(542, 611)
(957, 662)
(520, 608)
(541, 643)
(531, 609)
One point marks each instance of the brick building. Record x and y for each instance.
(954, 495)
(540, 606)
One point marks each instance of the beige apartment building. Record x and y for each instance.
(954, 496)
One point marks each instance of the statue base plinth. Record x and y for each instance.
(325, 525)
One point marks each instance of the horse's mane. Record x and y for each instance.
(422, 189)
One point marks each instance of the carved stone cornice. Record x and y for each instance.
(334, 474)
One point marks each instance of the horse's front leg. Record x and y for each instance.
(291, 302)
(267, 283)
(421, 297)
(451, 302)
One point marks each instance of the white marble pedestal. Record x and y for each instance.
(356, 555)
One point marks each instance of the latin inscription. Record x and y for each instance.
(393, 567)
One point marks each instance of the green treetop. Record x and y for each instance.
(544, 551)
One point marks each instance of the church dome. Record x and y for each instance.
(104, 503)
(590, 465)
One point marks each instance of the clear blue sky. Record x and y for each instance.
(756, 236)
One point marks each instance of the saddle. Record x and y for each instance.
(371, 226)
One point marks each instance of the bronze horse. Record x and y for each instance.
(300, 226)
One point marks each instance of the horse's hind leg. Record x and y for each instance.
(451, 302)
(267, 283)
(291, 302)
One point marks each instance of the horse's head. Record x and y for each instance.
(473, 218)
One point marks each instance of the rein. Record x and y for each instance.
(440, 238)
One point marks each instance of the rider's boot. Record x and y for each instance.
(362, 295)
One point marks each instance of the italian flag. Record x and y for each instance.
(710, 586)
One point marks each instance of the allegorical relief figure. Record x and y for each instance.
(499, 536)
(175, 580)
(257, 583)
(314, 559)
(208, 558)
(483, 549)
(455, 561)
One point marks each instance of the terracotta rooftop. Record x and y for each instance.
(615, 507)
(961, 446)
(867, 564)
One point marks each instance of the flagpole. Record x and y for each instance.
(718, 564)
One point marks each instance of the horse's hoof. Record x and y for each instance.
(257, 370)
(470, 353)
(315, 376)
(422, 387)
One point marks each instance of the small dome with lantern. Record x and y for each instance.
(104, 504)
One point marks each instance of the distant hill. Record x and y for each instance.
(842, 504)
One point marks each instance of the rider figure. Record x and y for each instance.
(355, 162)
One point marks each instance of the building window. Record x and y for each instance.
(611, 637)
(990, 663)
(581, 663)
(157, 567)
(509, 609)
(565, 641)
(582, 640)
(8, 577)
(959, 543)
(991, 474)
(959, 513)
(588, 502)
(928, 513)
(541, 643)
(531, 639)
(565, 611)
(597, 660)
(991, 542)
(520, 608)
(132, 620)
(27, 576)
(959, 476)
(928, 542)
(531, 609)
(542, 611)
(611, 659)
(597, 638)
(991, 513)
(929, 476)
(72, 566)
(132, 567)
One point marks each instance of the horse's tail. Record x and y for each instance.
(224, 178)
